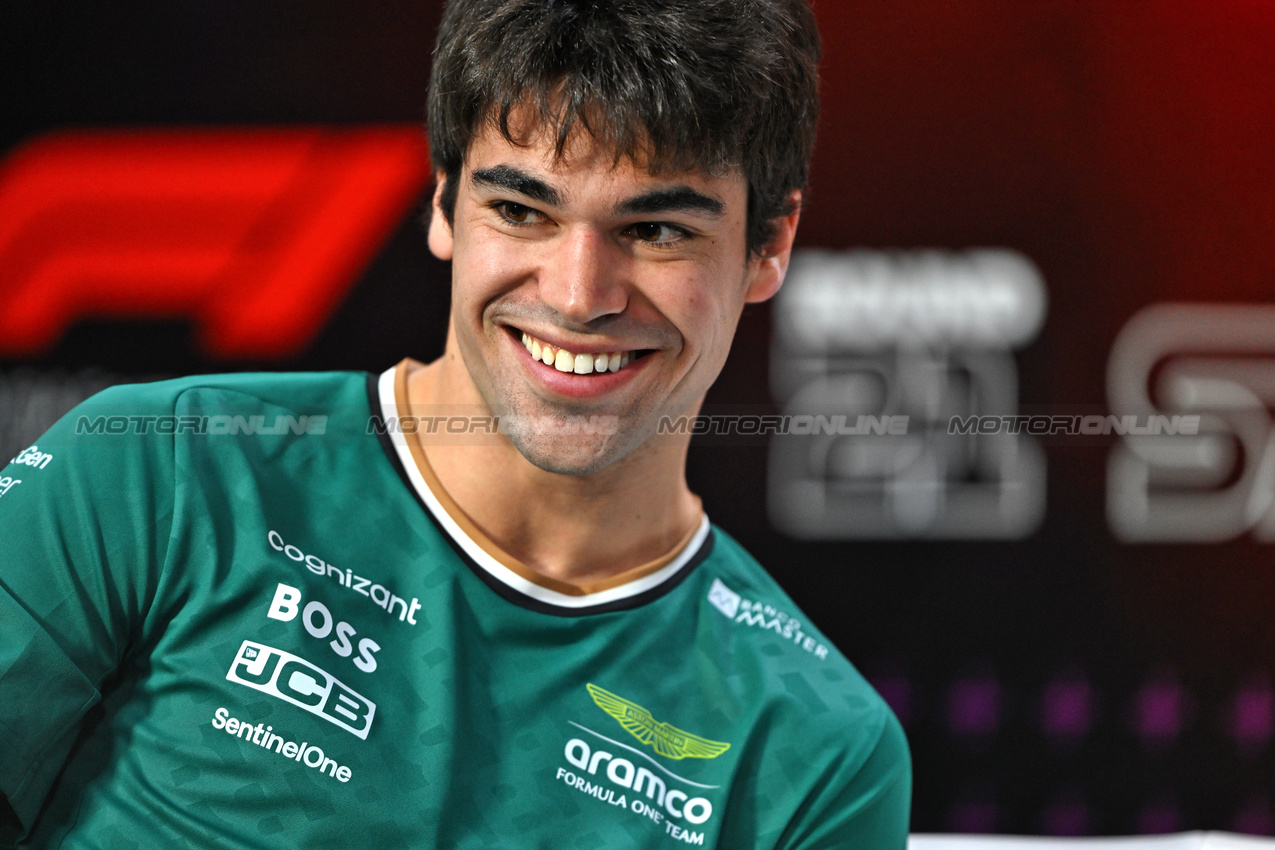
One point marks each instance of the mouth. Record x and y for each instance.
(578, 363)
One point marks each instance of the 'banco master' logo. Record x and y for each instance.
(295, 680)
(667, 740)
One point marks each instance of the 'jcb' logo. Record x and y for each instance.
(295, 680)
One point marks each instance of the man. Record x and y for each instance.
(255, 619)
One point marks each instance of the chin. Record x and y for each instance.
(569, 454)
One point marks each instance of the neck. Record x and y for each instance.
(573, 528)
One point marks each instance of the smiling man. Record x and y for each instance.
(571, 303)
(318, 616)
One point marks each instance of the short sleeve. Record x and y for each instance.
(863, 803)
(85, 515)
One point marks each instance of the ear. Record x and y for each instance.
(766, 272)
(440, 232)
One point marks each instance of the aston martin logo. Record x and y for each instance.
(668, 740)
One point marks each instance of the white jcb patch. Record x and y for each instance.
(295, 680)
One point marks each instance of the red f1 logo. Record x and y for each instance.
(256, 235)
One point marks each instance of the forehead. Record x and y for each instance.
(586, 166)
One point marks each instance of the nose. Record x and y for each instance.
(582, 277)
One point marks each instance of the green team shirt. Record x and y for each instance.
(238, 612)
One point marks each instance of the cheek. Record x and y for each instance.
(709, 310)
(485, 271)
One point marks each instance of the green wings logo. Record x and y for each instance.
(668, 741)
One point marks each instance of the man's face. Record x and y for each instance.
(583, 288)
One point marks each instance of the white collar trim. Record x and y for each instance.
(389, 410)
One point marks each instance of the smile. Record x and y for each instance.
(580, 364)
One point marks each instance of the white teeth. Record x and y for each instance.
(579, 364)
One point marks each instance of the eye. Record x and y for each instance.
(658, 233)
(516, 213)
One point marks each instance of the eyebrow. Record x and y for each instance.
(675, 198)
(513, 180)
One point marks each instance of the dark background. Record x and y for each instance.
(1127, 148)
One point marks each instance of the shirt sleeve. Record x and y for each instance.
(862, 804)
(85, 516)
